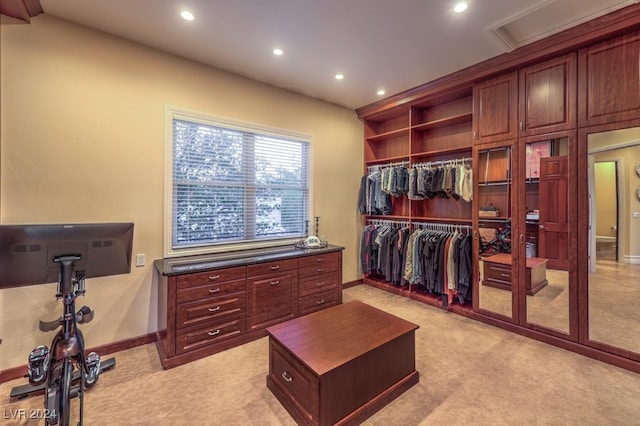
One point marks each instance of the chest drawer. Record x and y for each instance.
(209, 309)
(299, 384)
(272, 267)
(210, 277)
(207, 334)
(318, 283)
(190, 294)
(317, 270)
(497, 272)
(319, 259)
(318, 301)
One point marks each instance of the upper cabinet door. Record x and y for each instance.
(609, 81)
(548, 96)
(495, 109)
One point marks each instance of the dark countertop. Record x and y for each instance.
(189, 264)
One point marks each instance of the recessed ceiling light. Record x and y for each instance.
(339, 76)
(381, 92)
(187, 15)
(278, 52)
(460, 7)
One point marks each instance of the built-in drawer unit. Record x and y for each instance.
(231, 301)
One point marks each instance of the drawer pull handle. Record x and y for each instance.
(275, 268)
(320, 302)
(274, 282)
(214, 277)
(213, 333)
(505, 275)
(287, 377)
(214, 290)
(320, 260)
(217, 308)
(320, 283)
(320, 270)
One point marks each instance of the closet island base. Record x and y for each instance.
(342, 364)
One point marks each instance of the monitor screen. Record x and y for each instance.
(27, 251)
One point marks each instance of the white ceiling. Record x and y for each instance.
(390, 44)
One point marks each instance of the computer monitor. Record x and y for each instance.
(27, 251)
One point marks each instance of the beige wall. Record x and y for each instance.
(82, 140)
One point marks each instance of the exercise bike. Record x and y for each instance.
(54, 367)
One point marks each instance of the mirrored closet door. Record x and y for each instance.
(496, 269)
(612, 237)
(547, 218)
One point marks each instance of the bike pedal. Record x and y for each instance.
(37, 365)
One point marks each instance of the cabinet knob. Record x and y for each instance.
(214, 277)
(320, 283)
(217, 308)
(320, 302)
(320, 260)
(522, 125)
(213, 333)
(214, 290)
(541, 226)
(286, 376)
(275, 268)
(320, 270)
(274, 282)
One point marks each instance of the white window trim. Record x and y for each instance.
(171, 113)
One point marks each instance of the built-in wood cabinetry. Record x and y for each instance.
(537, 99)
(609, 83)
(210, 304)
(541, 96)
(495, 112)
(547, 96)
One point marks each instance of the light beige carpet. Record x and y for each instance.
(470, 373)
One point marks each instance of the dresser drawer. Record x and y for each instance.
(190, 294)
(207, 334)
(210, 277)
(318, 301)
(318, 270)
(298, 383)
(318, 283)
(497, 272)
(319, 259)
(272, 267)
(209, 309)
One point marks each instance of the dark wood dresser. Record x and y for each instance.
(207, 304)
(342, 364)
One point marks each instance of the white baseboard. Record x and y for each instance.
(634, 260)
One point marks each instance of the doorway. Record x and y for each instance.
(605, 199)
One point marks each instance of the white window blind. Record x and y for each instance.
(233, 184)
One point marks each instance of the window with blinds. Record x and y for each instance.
(232, 183)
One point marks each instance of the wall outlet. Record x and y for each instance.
(140, 259)
(636, 214)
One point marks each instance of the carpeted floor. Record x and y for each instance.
(470, 373)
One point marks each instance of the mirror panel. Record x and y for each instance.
(494, 199)
(614, 238)
(546, 185)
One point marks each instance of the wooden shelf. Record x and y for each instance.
(383, 161)
(388, 135)
(443, 122)
(456, 150)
